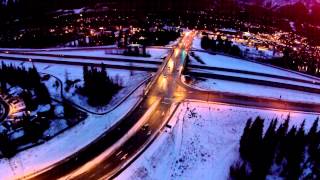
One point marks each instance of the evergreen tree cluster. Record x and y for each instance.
(306, 61)
(7, 149)
(284, 152)
(220, 45)
(98, 86)
(27, 79)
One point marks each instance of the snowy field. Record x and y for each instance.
(255, 90)
(203, 143)
(154, 52)
(65, 144)
(239, 64)
(129, 80)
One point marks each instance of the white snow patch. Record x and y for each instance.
(203, 144)
(256, 90)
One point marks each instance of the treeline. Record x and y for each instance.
(98, 86)
(280, 152)
(26, 78)
(220, 45)
(35, 38)
(303, 60)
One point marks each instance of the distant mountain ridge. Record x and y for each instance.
(270, 4)
(276, 4)
(293, 9)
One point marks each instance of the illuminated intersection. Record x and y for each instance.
(118, 147)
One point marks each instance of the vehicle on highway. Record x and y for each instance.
(145, 127)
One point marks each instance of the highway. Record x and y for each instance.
(159, 89)
(129, 65)
(164, 89)
(167, 89)
(28, 55)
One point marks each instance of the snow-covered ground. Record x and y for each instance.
(196, 44)
(239, 64)
(250, 52)
(256, 53)
(173, 43)
(129, 80)
(203, 144)
(258, 77)
(255, 90)
(65, 144)
(35, 159)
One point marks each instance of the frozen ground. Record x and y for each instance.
(129, 80)
(203, 143)
(255, 90)
(239, 64)
(65, 144)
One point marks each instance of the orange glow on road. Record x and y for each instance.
(163, 83)
(152, 100)
(170, 66)
(176, 52)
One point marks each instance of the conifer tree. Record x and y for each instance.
(268, 147)
(255, 145)
(244, 141)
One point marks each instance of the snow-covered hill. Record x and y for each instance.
(274, 4)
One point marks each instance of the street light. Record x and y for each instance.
(30, 60)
